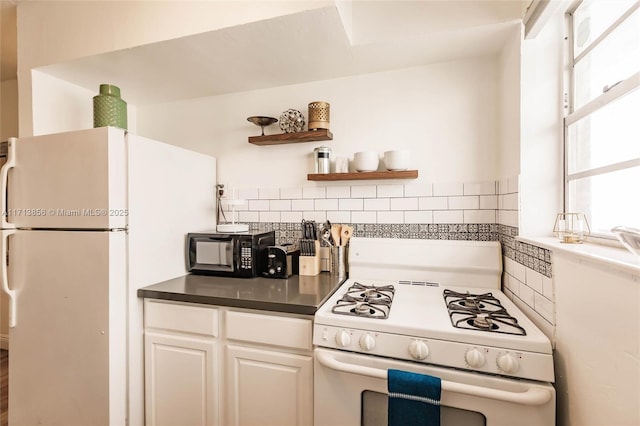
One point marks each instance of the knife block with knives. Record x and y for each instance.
(309, 261)
(310, 264)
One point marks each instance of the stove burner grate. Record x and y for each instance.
(480, 312)
(365, 301)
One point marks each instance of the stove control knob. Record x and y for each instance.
(418, 350)
(367, 342)
(474, 358)
(343, 339)
(508, 363)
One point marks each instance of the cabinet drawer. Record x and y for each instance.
(271, 330)
(179, 317)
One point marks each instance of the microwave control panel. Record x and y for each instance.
(245, 255)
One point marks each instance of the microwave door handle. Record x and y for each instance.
(532, 396)
(5, 279)
(4, 182)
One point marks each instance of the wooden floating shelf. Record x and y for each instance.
(310, 136)
(402, 174)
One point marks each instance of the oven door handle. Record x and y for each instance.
(532, 396)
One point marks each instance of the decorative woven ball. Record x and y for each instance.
(292, 121)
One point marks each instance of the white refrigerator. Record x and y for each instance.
(91, 216)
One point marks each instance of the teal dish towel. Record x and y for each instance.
(414, 399)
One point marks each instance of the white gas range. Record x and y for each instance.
(433, 307)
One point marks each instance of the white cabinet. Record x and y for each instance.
(181, 364)
(269, 370)
(268, 388)
(266, 377)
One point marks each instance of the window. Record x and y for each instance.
(602, 128)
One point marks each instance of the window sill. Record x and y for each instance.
(613, 257)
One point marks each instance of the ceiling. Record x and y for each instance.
(347, 38)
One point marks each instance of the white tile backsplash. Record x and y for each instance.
(326, 204)
(534, 280)
(547, 287)
(269, 217)
(258, 205)
(513, 184)
(503, 186)
(390, 217)
(280, 205)
(314, 192)
(314, 215)
(376, 204)
(418, 190)
(339, 216)
(479, 216)
(390, 191)
(508, 217)
(269, 193)
(510, 202)
(242, 193)
(509, 265)
(338, 191)
(363, 217)
(464, 203)
(418, 216)
(519, 271)
(512, 284)
(291, 193)
(291, 216)
(350, 204)
(302, 205)
(363, 191)
(488, 202)
(448, 216)
(527, 295)
(472, 202)
(448, 189)
(544, 307)
(481, 188)
(432, 203)
(404, 203)
(248, 217)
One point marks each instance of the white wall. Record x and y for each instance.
(510, 118)
(8, 109)
(446, 114)
(541, 146)
(598, 343)
(73, 106)
(51, 32)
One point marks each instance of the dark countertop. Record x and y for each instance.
(296, 294)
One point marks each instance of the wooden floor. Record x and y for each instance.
(4, 387)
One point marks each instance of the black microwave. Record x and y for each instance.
(241, 254)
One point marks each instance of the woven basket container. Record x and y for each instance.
(318, 115)
(109, 109)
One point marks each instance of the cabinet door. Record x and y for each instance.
(180, 380)
(268, 388)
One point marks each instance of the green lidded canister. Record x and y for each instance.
(109, 109)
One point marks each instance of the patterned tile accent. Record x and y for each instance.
(291, 231)
(533, 257)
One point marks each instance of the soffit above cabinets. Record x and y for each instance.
(347, 38)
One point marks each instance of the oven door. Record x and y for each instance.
(351, 390)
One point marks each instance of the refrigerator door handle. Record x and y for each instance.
(4, 180)
(5, 279)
